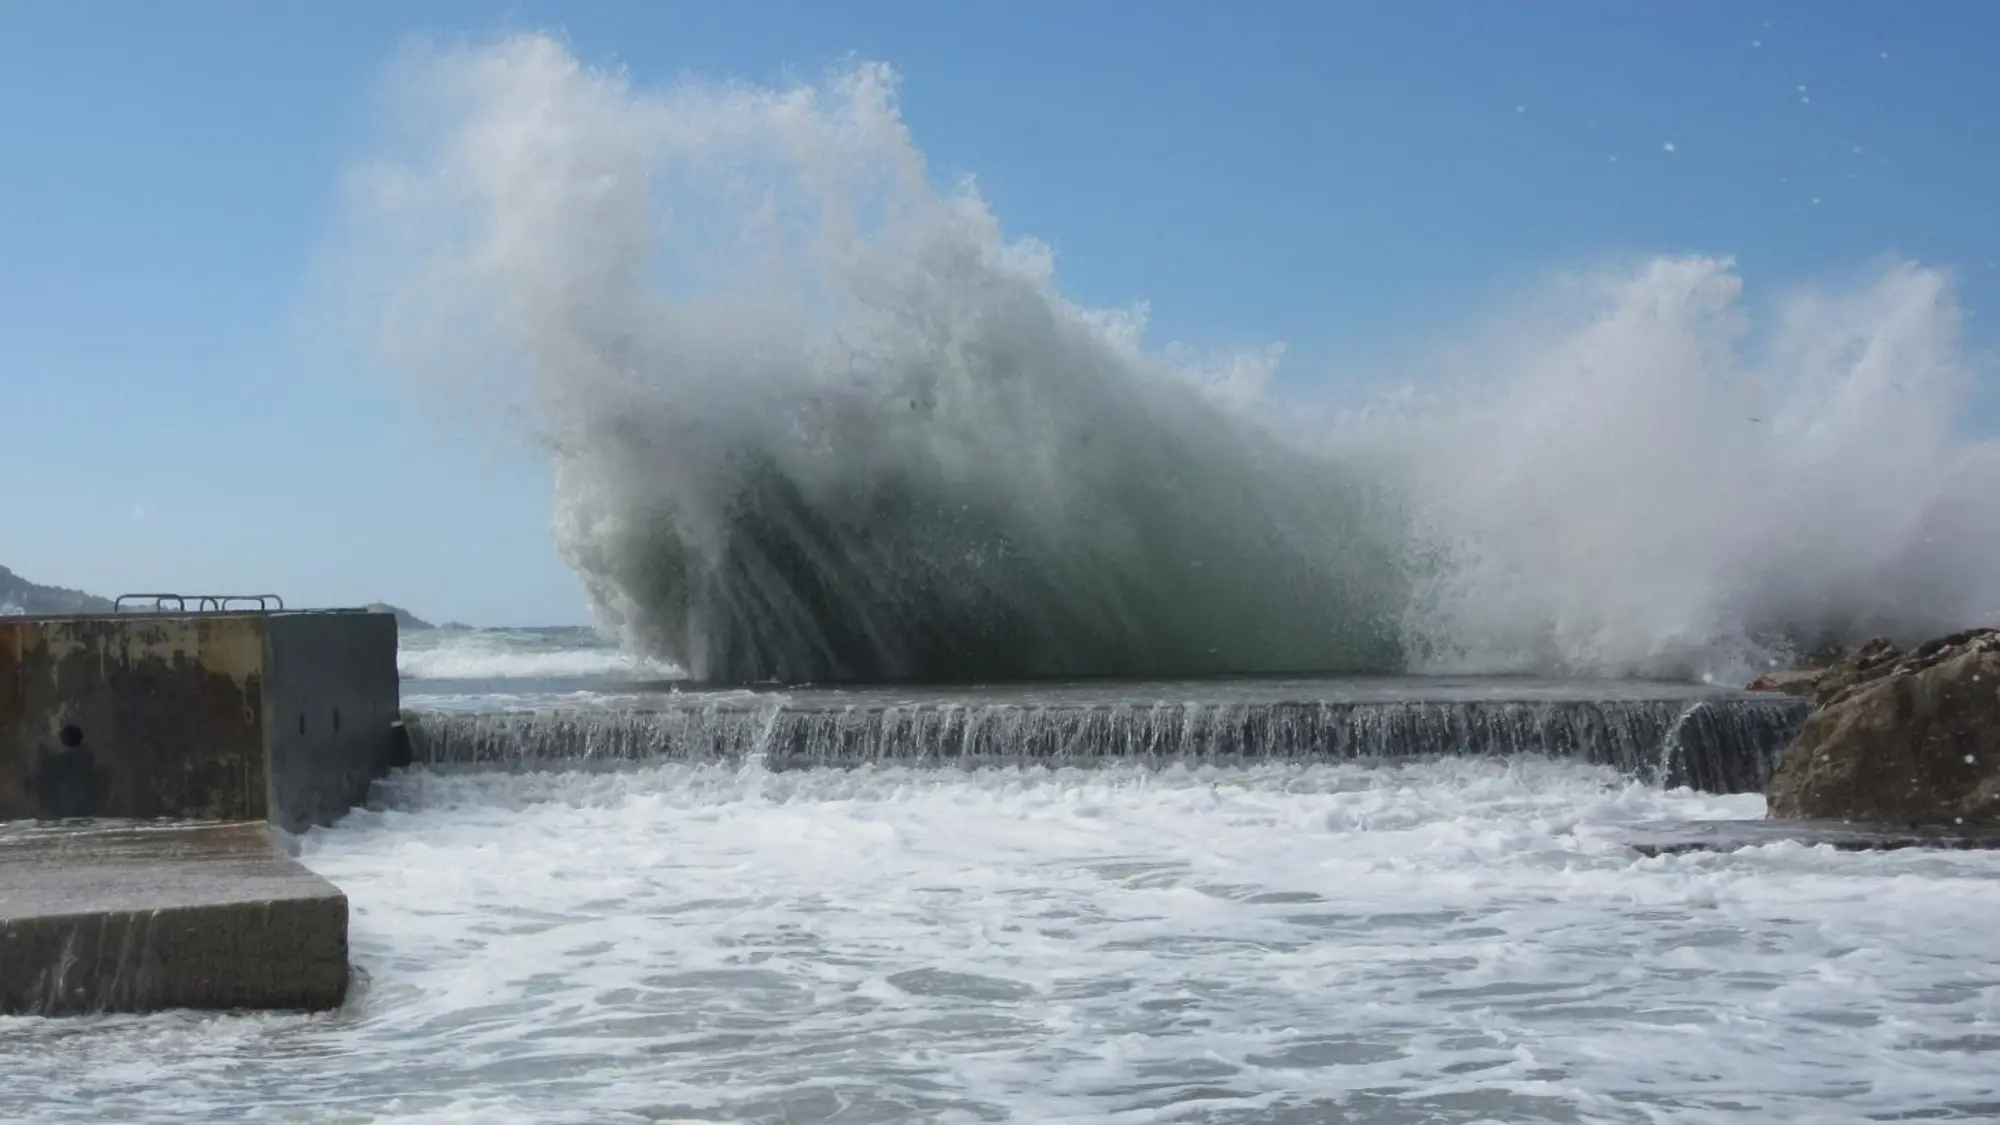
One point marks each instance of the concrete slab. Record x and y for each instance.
(140, 917)
(1729, 835)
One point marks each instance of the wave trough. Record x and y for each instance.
(814, 418)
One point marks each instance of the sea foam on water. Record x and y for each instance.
(1451, 941)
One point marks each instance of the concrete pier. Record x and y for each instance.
(144, 758)
(284, 717)
(133, 918)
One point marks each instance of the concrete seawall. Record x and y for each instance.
(1666, 734)
(144, 760)
(330, 707)
(281, 717)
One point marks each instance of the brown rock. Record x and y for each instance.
(1823, 683)
(1802, 682)
(1900, 738)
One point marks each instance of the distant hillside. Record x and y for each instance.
(404, 618)
(18, 595)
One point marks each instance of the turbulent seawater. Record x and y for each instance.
(1451, 942)
(1434, 942)
(814, 416)
(507, 656)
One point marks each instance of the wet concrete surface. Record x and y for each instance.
(127, 917)
(1731, 835)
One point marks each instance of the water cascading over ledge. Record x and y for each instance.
(1671, 735)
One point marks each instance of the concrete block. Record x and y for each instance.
(331, 704)
(139, 918)
(279, 716)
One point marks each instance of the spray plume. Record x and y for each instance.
(814, 418)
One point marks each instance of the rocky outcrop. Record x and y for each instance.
(1898, 737)
(1826, 682)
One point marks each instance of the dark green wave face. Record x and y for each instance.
(1037, 531)
(892, 584)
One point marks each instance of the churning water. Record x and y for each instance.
(1088, 939)
(1441, 942)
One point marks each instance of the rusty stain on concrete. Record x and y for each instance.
(224, 716)
(147, 716)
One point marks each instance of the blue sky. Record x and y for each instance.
(1350, 179)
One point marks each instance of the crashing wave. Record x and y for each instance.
(815, 418)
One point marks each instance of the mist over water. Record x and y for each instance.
(814, 417)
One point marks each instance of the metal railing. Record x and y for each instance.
(203, 603)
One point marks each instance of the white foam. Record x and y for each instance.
(1452, 942)
(1624, 478)
(510, 655)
